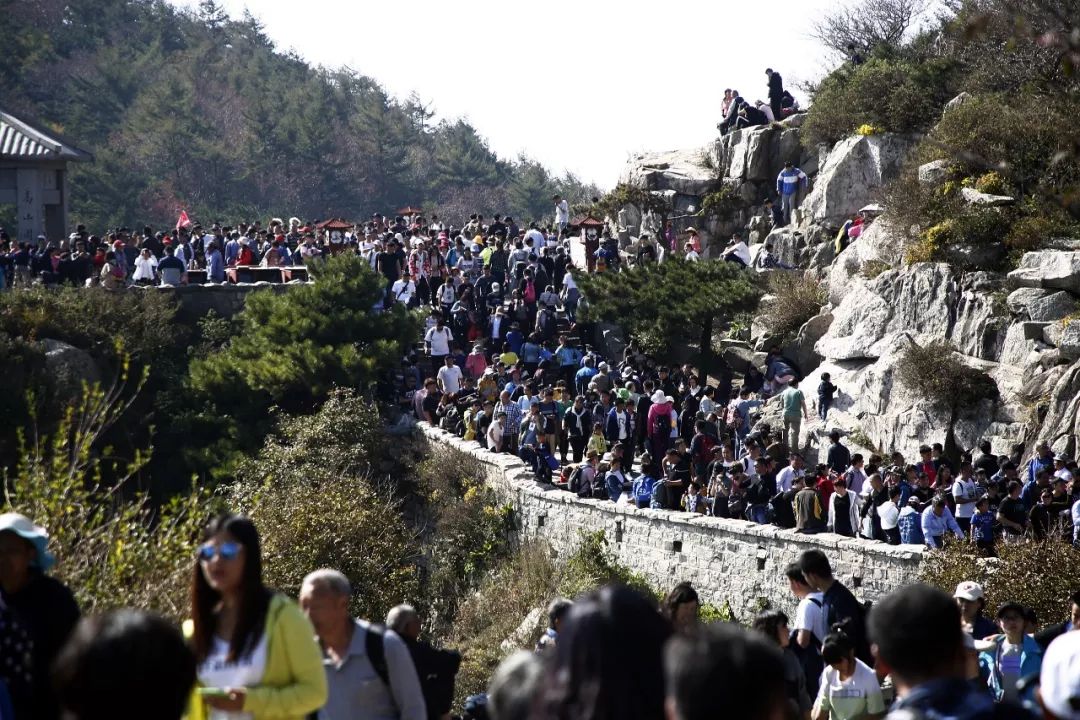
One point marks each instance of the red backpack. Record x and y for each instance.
(529, 294)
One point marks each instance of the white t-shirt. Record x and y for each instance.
(494, 435)
(439, 340)
(808, 616)
(964, 488)
(403, 290)
(889, 514)
(741, 251)
(692, 256)
(536, 236)
(217, 672)
(450, 378)
(857, 696)
(562, 212)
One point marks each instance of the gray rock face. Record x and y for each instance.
(1061, 427)
(682, 171)
(879, 243)
(1020, 299)
(802, 350)
(851, 177)
(1051, 307)
(1065, 336)
(934, 173)
(1048, 269)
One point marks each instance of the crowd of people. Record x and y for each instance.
(250, 652)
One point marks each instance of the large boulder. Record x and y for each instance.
(1065, 336)
(853, 174)
(69, 367)
(685, 172)
(1020, 300)
(1060, 426)
(1052, 307)
(1048, 269)
(934, 173)
(866, 324)
(881, 244)
(802, 349)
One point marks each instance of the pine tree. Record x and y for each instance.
(676, 302)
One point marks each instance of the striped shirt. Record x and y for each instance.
(788, 181)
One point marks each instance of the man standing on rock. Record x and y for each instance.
(794, 404)
(776, 93)
(788, 183)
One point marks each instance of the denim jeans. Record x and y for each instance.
(823, 405)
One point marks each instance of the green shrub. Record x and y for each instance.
(886, 94)
(610, 204)
(113, 548)
(998, 139)
(992, 183)
(722, 203)
(934, 372)
(1041, 575)
(796, 299)
(316, 504)
(873, 268)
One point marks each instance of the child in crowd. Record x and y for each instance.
(825, 393)
(982, 528)
(597, 442)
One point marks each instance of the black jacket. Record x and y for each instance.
(776, 86)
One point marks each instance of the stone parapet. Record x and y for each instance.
(731, 562)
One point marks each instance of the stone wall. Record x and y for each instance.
(728, 561)
(226, 300)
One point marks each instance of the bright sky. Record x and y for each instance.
(577, 84)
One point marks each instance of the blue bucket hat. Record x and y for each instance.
(36, 535)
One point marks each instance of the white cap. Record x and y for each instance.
(1059, 680)
(969, 590)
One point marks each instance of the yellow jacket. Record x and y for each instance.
(294, 681)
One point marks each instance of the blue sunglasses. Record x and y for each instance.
(226, 551)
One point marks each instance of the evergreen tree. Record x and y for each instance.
(674, 303)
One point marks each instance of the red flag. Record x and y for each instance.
(183, 221)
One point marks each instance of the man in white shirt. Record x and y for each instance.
(808, 627)
(691, 254)
(790, 472)
(965, 492)
(562, 214)
(449, 376)
(437, 340)
(737, 251)
(403, 289)
(889, 514)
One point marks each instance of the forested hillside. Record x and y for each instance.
(198, 111)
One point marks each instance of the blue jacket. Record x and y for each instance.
(947, 699)
(643, 487)
(910, 525)
(789, 181)
(1030, 663)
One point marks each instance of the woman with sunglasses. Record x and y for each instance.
(255, 650)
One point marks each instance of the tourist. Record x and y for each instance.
(681, 607)
(776, 93)
(112, 273)
(971, 601)
(1012, 514)
(808, 631)
(838, 604)
(1011, 656)
(788, 183)
(737, 251)
(965, 492)
(937, 521)
(825, 392)
(982, 528)
(556, 613)
(844, 511)
(919, 641)
(608, 663)
(253, 647)
(1059, 687)
(369, 671)
(849, 688)
(773, 625)
(42, 607)
(124, 665)
(794, 470)
(810, 517)
(171, 269)
(145, 268)
(513, 687)
(794, 405)
(723, 671)
(909, 523)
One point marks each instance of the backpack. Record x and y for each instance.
(599, 487)
(661, 424)
(660, 497)
(529, 293)
(705, 448)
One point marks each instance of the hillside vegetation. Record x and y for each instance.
(198, 111)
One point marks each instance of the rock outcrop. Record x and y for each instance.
(853, 174)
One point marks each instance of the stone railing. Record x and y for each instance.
(225, 299)
(728, 561)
